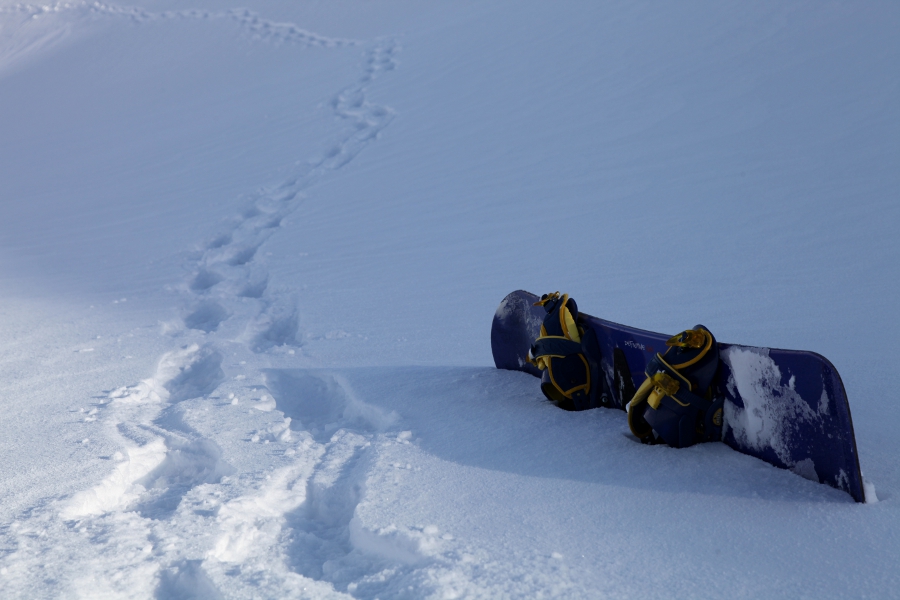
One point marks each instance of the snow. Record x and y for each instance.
(250, 255)
(761, 424)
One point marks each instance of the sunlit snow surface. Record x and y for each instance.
(250, 254)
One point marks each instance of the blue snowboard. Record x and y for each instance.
(786, 407)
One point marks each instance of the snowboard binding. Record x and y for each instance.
(568, 356)
(675, 404)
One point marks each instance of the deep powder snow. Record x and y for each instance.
(250, 257)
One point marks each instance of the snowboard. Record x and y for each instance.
(786, 407)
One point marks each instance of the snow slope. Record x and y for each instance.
(250, 255)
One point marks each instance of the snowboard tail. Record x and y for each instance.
(786, 407)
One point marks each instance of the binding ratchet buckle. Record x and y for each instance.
(546, 298)
(692, 338)
(669, 386)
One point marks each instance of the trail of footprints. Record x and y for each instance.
(150, 522)
(257, 27)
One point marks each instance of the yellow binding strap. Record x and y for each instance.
(660, 384)
(568, 393)
(642, 392)
(570, 329)
(694, 336)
